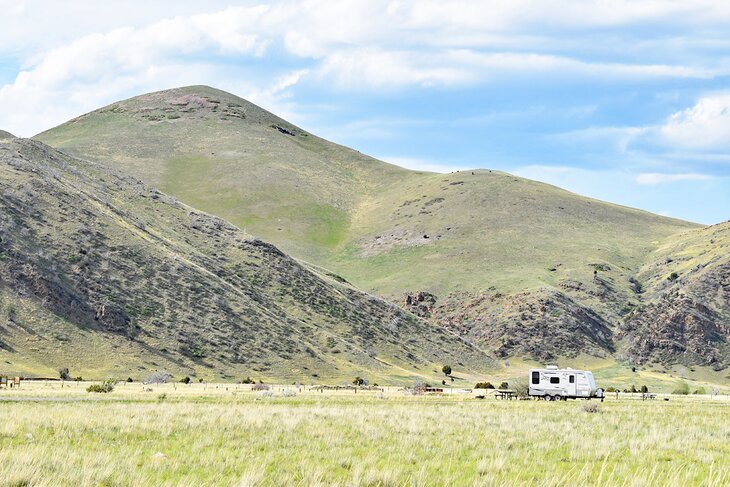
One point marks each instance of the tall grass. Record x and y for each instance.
(214, 436)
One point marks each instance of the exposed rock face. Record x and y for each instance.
(542, 325)
(687, 323)
(420, 303)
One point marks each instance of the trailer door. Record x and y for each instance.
(572, 387)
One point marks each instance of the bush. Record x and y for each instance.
(185, 380)
(644, 389)
(521, 388)
(700, 390)
(360, 381)
(504, 385)
(78, 379)
(104, 387)
(64, 374)
(159, 377)
(129, 379)
(446, 369)
(681, 389)
(248, 380)
(418, 388)
(591, 407)
(484, 385)
(611, 389)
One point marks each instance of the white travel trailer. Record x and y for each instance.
(554, 384)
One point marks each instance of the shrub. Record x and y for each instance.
(360, 381)
(129, 379)
(673, 276)
(446, 369)
(681, 389)
(418, 388)
(700, 390)
(484, 385)
(159, 377)
(64, 374)
(611, 389)
(162, 397)
(248, 380)
(591, 407)
(521, 388)
(185, 380)
(78, 379)
(644, 389)
(504, 385)
(104, 387)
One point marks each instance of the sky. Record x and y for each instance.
(627, 101)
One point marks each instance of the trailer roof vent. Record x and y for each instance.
(552, 367)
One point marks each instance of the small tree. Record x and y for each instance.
(446, 369)
(64, 374)
(504, 385)
(644, 389)
(681, 389)
(185, 380)
(360, 381)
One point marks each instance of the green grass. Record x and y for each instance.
(224, 435)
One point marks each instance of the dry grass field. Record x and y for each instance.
(223, 434)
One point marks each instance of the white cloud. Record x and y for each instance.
(705, 126)
(651, 179)
(362, 44)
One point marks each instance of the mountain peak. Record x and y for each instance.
(194, 103)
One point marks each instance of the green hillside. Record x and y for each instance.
(104, 275)
(522, 267)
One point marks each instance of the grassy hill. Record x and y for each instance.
(525, 268)
(106, 276)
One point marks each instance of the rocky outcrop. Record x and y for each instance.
(687, 323)
(420, 303)
(542, 324)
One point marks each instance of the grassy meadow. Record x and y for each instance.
(225, 434)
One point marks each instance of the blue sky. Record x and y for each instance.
(623, 100)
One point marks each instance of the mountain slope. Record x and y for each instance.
(105, 275)
(500, 256)
(687, 315)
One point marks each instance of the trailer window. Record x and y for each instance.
(572, 379)
(536, 377)
(555, 380)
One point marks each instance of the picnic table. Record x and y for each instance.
(505, 394)
(647, 395)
